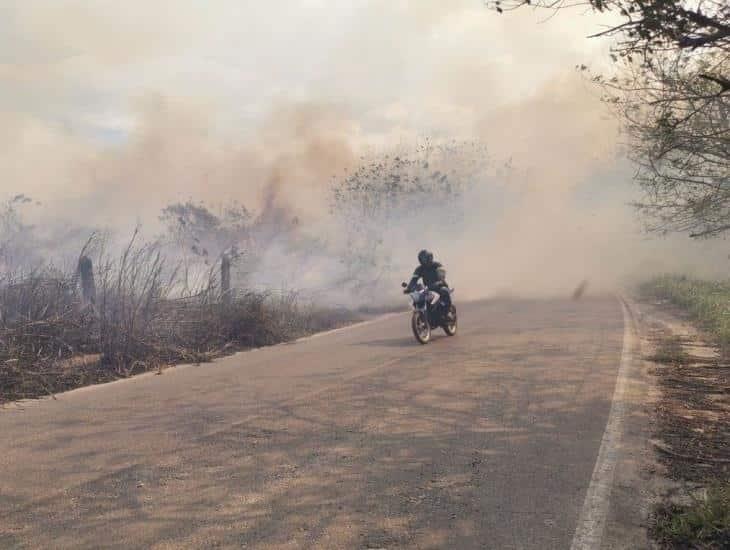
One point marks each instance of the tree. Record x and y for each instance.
(652, 26)
(196, 229)
(417, 193)
(203, 237)
(18, 243)
(672, 94)
(678, 126)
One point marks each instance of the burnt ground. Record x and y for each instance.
(692, 422)
(690, 413)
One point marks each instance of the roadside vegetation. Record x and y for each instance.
(691, 438)
(707, 302)
(112, 318)
(704, 524)
(53, 342)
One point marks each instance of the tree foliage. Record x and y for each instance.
(672, 93)
(205, 234)
(652, 26)
(679, 131)
(406, 196)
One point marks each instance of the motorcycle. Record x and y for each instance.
(430, 312)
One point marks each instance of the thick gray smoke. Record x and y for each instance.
(109, 113)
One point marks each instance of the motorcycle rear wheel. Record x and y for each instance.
(420, 326)
(452, 323)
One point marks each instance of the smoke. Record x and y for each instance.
(110, 113)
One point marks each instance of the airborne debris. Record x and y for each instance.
(580, 290)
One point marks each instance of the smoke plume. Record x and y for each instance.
(110, 113)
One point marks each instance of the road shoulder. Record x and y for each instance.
(635, 484)
(674, 446)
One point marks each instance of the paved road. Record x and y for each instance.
(355, 439)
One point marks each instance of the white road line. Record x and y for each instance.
(592, 520)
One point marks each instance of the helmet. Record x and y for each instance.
(425, 257)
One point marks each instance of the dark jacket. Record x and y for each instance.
(433, 276)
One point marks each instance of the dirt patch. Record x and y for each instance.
(692, 430)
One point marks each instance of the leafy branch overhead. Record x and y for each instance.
(391, 194)
(651, 26)
(672, 94)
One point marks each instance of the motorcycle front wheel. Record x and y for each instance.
(451, 322)
(421, 328)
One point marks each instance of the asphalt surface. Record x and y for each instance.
(359, 438)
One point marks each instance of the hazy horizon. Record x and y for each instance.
(111, 112)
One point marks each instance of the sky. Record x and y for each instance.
(81, 78)
(85, 65)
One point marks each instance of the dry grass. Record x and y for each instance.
(705, 301)
(691, 436)
(52, 339)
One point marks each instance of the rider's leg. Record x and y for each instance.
(445, 296)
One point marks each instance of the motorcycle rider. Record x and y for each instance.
(434, 277)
